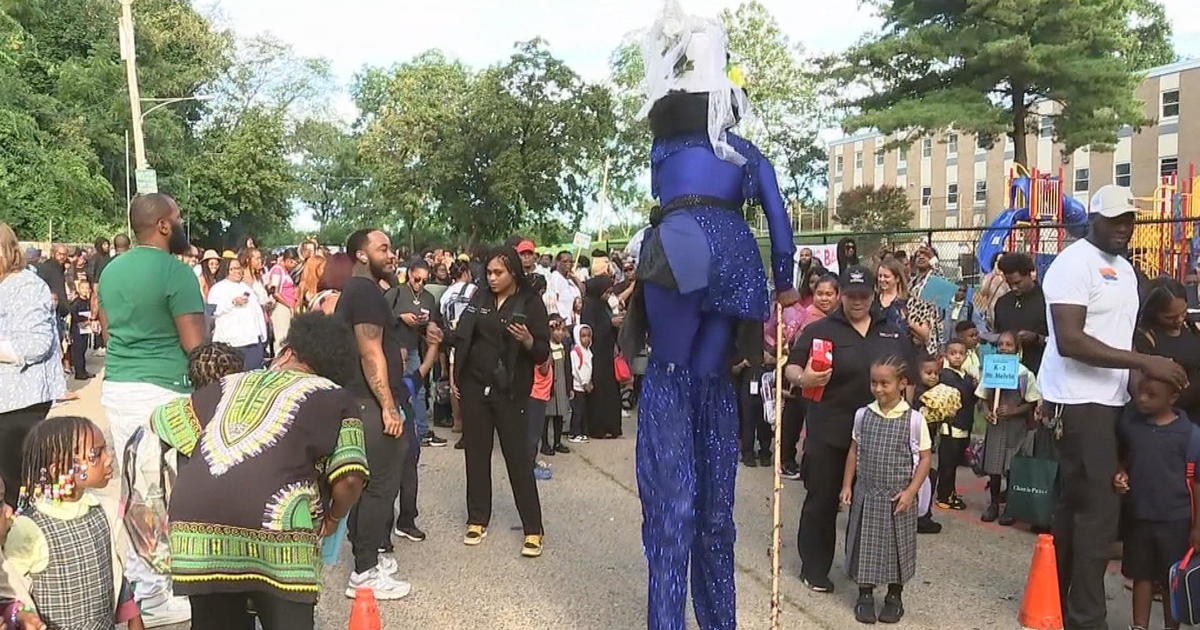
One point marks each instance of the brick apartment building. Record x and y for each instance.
(953, 181)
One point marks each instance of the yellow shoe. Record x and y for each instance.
(475, 535)
(532, 547)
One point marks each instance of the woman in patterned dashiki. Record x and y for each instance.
(887, 465)
(62, 542)
(291, 442)
(701, 286)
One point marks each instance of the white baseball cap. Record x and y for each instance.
(1112, 201)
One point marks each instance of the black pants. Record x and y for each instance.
(367, 527)
(1088, 509)
(950, 456)
(484, 417)
(793, 423)
(750, 408)
(79, 347)
(410, 481)
(14, 426)
(535, 417)
(822, 468)
(579, 414)
(552, 424)
(227, 611)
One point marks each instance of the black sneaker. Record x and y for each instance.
(1006, 520)
(893, 609)
(991, 513)
(459, 445)
(749, 461)
(432, 440)
(864, 608)
(926, 525)
(411, 533)
(561, 448)
(546, 450)
(790, 471)
(818, 585)
(766, 459)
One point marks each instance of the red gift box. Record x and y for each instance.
(821, 359)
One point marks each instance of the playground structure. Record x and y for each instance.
(1042, 219)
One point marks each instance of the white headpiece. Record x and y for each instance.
(687, 53)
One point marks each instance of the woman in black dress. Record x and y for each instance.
(604, 403)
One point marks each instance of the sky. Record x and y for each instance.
(354, 33)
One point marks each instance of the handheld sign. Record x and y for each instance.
(582, 240)
(1000, 371)
(939, 291)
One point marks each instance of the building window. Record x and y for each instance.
(1170, 104)
(1124, 172)
(982, 142)
(1046, 127)
(879, 158)
(980, 191)
(952, 145)
(1081, 180)
(926, 196)
(902, 158)
(1168, 166)
(952, 196)
(858, 160)
(926, 147)
(840, 165)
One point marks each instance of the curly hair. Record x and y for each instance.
(210, 362)
(325, 344)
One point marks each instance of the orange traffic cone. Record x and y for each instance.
(1041, 608)
(365, 613)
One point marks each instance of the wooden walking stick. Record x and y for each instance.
(778, 521)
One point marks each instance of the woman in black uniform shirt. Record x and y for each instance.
(861, 334)
(502, 335)
(1163, 329)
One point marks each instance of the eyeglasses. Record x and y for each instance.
(553, 326)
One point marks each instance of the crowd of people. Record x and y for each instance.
(235, 362)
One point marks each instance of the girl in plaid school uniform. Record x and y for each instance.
(886, 467)
(62, 542)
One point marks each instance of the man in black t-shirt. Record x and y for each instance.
(1023, 309)
(383, 398)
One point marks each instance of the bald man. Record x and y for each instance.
(152, 315)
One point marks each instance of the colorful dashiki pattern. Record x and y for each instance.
(245, 512)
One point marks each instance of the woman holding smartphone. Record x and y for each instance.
(502, 334)
(238, 318)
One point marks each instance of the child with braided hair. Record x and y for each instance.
(212, 361)
(62, 540)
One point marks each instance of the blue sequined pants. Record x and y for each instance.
(687, 454)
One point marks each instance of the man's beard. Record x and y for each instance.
(178, 243)
(379, 270)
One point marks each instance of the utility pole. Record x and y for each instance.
(129, 55)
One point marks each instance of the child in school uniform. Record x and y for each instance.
(1158, 445)
(886, 467)
(581, 382)
(1008, 426)
(928, 393)
(63, 540)
(81, 328)
(13, 609)
(553, 380)
(956, 433)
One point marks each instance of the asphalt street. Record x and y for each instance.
(592, 575)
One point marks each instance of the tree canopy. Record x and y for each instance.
(866, 208)
(980, 66)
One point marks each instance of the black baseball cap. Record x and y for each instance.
(857, 278)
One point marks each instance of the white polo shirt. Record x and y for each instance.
(1084, 275)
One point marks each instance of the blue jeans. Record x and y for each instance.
(420, 411)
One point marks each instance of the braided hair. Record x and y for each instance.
(896, 362)
(210, 362)
(48, 458)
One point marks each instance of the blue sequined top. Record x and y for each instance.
(677, 170)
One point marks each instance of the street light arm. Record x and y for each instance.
(163, 102)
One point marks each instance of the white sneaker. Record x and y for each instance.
(388, 565)
(175, 610)
(386, 588)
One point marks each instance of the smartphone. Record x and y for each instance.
(519, 318)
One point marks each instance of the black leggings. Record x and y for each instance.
(228, 611)
(554, 423)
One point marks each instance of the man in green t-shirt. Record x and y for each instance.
(152, 315)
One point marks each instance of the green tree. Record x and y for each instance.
(865, 208)
(981, 65)
(329, 179)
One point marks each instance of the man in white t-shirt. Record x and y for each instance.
(1092, 306)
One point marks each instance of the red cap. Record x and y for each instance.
(526, 246)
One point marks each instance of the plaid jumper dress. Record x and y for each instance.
(881, 548)
(75, 592)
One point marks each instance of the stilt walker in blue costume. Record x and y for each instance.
(702, 291)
